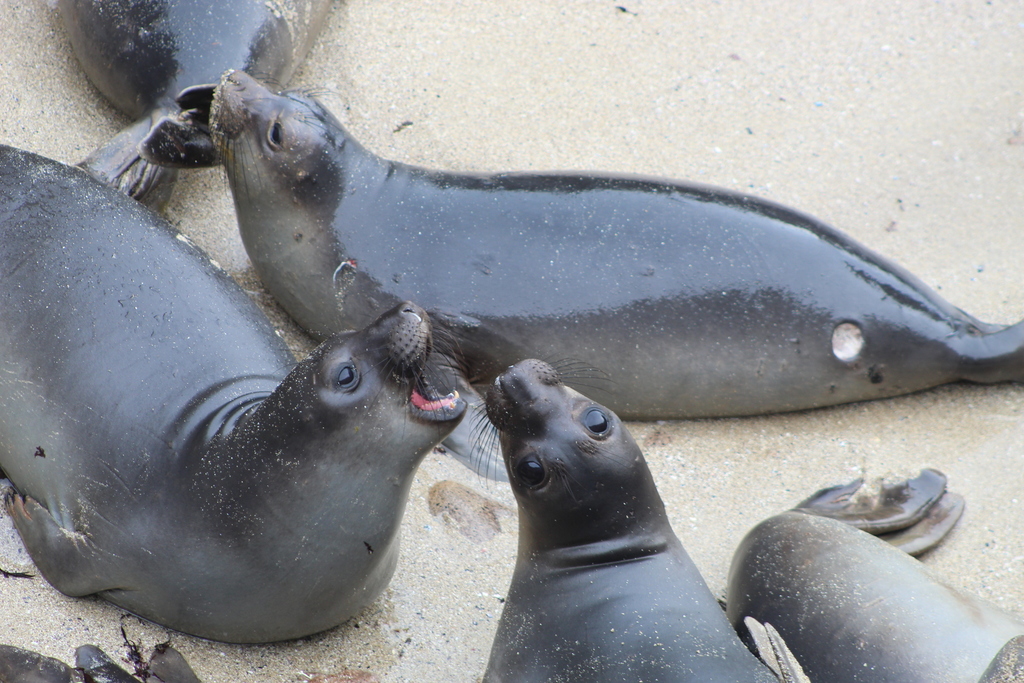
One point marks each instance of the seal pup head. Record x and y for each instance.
(290, 164)
(382, 383)
(289, 140)
(577, 474)
(602, 588)
(366, 403)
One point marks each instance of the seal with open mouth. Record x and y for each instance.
(141, 53)
(603, 589)
(695, 301)
(161, 457)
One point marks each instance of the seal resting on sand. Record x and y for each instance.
(854, 608)
(694, 301)
(161, 455)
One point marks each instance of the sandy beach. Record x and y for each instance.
(901, 124)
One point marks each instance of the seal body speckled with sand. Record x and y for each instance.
(162, 456)
(855, 609)
(695, 301)
(602, 589)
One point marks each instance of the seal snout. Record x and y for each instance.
(230, 99)
(410, 341)
(512, 397)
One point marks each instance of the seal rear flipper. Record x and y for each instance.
(474, 442)
(24, 666)
(118, 164)
(179, 141)
(66, 558)
(99, 668)
(929, 532)
(774, 652)
(1008, 665)
(893, 508)
(992, 355)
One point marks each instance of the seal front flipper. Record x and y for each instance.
(774, 652)
(474, 442)
(66, 558)
(118, 164)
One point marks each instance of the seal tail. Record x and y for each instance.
(993, 356)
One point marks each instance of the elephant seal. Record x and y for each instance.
(141, 53)
(162, 458)
(603, 589)
(695, 301)
(854, 608)
(166, 665)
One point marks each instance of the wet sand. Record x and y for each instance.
(901, 124)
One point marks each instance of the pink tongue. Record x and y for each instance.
(422, 403)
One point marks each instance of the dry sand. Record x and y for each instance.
(900, 123)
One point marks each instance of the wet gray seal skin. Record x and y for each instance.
(695, 301)
(24, 666)
(141, 53)
(856, 609)
(91, 664)
(603, 589)
(163, 458)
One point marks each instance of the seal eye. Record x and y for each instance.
(530, 472)
(275, 136)
(596, 422)
(347, 377)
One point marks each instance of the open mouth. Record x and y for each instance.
(428, 404)
(196, 102)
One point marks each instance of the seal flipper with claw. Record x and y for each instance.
(914, 515)
(69, 560)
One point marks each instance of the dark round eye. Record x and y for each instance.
(530, 471)
(276, 135)
(596, 421)
(347, 376)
